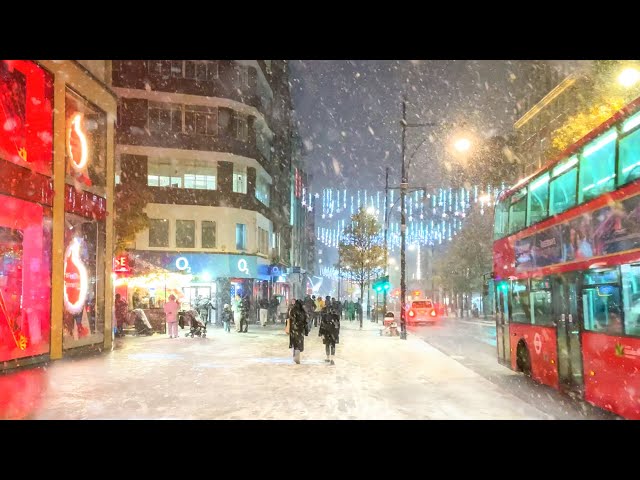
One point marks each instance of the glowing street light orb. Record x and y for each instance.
(371, 211)
(629, 77)
(462, 144)
(79, 159)
(75, 281)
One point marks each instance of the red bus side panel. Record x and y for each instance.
(542, 344)
(612, 373)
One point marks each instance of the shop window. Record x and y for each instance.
(158, 232)
(86, 142)
(521, 310)
(631, 298)
(241, 236)
(563, 187)
(185, 233)
(597, 167)
(26, 115)
(84, 286)
(629, 158)
(538, 198)
(25, 278)
(208, 234)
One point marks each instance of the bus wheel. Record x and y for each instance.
(523, 360)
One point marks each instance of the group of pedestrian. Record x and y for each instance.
(304, 315)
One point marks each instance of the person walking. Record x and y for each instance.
(227, 316)
(171, 312)
(264, 311)
(237, 312)
(298, 329)
(358, 311)
(330, 332)
(121, 308)
(245, 308)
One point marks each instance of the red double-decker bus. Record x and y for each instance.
(566, 266)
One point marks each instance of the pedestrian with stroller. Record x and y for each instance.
(120, 307)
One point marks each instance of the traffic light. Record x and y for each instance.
(381, 284)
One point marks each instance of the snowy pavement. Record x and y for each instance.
(252, 376)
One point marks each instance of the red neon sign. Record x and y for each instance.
(121, 264)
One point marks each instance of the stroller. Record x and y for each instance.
(140, 321)
(197, 327)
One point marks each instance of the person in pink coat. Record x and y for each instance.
(171, 311)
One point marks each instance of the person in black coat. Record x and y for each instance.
(330, 332)
(298, 329)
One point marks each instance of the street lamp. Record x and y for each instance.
(629, 77)
(462, 144)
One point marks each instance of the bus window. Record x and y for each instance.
(631, 298)
(538, 199)
(629, 158)
(518, 211)
(601, 309)
(563, 187)
(501, 220)
(520, 308)
(597, 167)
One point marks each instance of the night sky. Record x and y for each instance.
(349, 112)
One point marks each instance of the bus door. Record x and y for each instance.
(502, 322)
(565, 310)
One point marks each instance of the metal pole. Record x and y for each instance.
(403, 227)
(386, 242)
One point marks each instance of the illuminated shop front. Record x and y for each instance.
(190, 276)
(53, 191)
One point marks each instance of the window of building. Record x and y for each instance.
(629, 157)
(243, 76)
(201, 70)
(563, 186)
(200, 120)
(185, 233)
(242, 128)
(200, 182)
(159, 67)
(239, 180)
(538, 199)
(597, 167)
(165, 117)
(263, 241)
(263, 190)
(177, 68)
(164, 181)
(541, 306)
(158, 232)
(518, 211)
(521, 311)
(241, 236)
(208, 234)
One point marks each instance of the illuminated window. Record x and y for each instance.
(631, 298)
(563, 187)
(541, 305)
(200, 182)
(629, 158)
(538, 198)
(185, 233)
(597, 167)
(241, 236)
(518, 211)
(158, 232)
(263, 190)
(239, 180)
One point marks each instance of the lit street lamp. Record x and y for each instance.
(629, 77)
(462, 144)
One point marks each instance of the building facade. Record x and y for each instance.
(56, 188)
(209, 141)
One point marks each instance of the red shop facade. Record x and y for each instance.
(56, 185)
